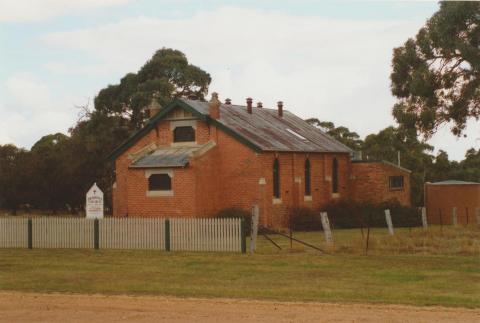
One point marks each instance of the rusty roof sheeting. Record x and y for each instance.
(267, 130)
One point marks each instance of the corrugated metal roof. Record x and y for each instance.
(265, 129)
(166, 157)
(454, 182)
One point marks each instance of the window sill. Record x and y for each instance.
(396, 189)
(276, 201)
(159, 193)
(183, 143)
(307, 198)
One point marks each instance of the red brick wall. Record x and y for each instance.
(443, 198)
(370, 182)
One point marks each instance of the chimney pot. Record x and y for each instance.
(259, 105)
(214, 106)
(280, 108)
(228, 101)
(154, 107)
(249, 105)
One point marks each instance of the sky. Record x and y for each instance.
(325, 59)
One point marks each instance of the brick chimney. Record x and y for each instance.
(259, 105)
(154, 107)
(280, 108)
(214, 106)
(249, 105)
(228, 101)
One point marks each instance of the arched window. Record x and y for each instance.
(276, 179)
(335, 176)
(184, 134)
(308, 189)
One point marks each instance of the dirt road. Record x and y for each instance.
(25, 307)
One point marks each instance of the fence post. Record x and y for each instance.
(167, 234)
(388, 218)
(454, 216)
(424, 218)
(254, 229)
(477, 214)
(244, 236)
(96, 234)
(30, 233)
(326, 228)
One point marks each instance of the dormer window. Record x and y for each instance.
(184, 134)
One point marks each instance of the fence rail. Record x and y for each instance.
(227, 235)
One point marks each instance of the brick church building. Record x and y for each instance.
(195, 158)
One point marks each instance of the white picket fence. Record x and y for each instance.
(13, 233)
(62, 233)
(224, 235)
(125, 233)
(205, 235)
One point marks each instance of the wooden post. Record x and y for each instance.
(368, 234)
(424, 218)
(244, 236)
(167, 234)
(254, 228)
(441, 220)
(477, 214)
(454, 216)
(326, 228)
(30, 234)
(96, 234)
(466, 214)
(388, 219)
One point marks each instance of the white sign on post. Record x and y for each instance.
(326, 228)
(94, 207)
(424, 217)
(388, 218)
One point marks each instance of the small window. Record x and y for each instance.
(276, 179)
(308, 189)
(335, 176)
(396, 182)
(184, 134)
(159, 182)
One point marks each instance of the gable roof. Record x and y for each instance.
(263, 130)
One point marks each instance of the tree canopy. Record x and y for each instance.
(167, 75)
(436, 75)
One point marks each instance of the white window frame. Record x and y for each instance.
(150, 172)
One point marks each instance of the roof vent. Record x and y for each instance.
(259, 105)
(228, 101)
(280, 108)
(249, 105)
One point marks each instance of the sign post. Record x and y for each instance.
(388, 218)
(94, 206)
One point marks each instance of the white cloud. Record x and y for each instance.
(38, 10)
(30, 110)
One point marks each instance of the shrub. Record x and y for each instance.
(351, 214)
(236, 213)
(305, 219)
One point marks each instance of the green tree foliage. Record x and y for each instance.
(436, 75)
(15, 177)
(414, 155)
(167, 74)
(342, 134)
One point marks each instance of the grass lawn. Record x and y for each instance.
(343, 275)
